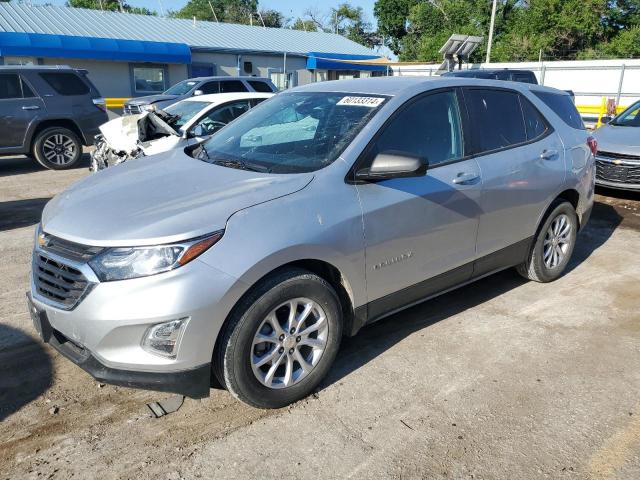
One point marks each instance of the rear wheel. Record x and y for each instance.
(57, 148)
(281, 341)
(553, 245)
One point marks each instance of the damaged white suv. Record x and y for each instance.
(180, 125)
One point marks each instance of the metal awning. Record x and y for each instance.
(66, 46)
(338, 61)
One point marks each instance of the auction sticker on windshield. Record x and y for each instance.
(361, 101)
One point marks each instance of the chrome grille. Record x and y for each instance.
(61, 284)
(622, 173)
(618, 156)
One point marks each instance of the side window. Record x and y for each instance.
(563, 106)
(217, 118)
(428, 128)
(534, 122)
(65, 83)
(26, 90)
(502, 75)
(10, 86)
(257, 101)
(525, 78)
(496, 117)
(259, 86)
(209, 87)
(227, 86)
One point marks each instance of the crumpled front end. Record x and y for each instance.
(104, 156)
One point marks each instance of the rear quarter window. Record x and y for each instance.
(260, 86)
(228, 86)
(65, 83)
(563, 106)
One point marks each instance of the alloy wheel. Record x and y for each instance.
(59, 149)
(557, 241)
(289, 343)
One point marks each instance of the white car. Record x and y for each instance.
(180, 125)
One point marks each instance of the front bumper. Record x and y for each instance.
(103, 333)
(194, 382)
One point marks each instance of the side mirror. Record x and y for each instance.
(391, 164)
(197, 131)
(197, 93)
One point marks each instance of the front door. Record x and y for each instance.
(420, 232)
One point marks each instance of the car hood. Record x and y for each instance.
(149, 99)
(615, 139)
(160, 199)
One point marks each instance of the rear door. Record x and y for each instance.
(19, 108)
(522, 162)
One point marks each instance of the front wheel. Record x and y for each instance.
(281, 340)
(553, 245)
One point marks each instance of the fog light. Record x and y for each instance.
(164, 338)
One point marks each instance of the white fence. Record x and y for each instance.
(590, 80)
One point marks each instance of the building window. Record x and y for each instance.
(282, 81)
(321, 76)
(149, 79)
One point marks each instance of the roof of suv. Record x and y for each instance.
(226, 77)
(393, 86)
(227, 97)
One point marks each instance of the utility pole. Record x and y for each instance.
(493, 22)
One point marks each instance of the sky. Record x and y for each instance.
(290, 8)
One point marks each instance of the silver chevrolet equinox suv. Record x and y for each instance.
(243, 261)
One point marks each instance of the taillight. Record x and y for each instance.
(100, 103)
(593, 145)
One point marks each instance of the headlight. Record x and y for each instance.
(133, 262)
(147, 108)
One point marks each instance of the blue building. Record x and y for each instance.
(131, 55)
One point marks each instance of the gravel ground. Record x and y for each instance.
(502, 379)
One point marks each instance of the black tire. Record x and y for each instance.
(231, 362)
(535, 268)
(66, 141)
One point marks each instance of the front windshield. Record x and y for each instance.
(181, 88)
(629, 118)
(184, 111)
(292, 132)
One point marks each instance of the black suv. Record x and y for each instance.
(48, 112)
(525, 76)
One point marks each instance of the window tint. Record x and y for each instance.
(497, 118)
(232, 86)
(428, 128)
(217, 118)
(210, 87)
(10, 86)
(524, 78)
(563, 106)
(65, 83)
(260, 86)
(503, 75)
(26, 90)
(533, 120)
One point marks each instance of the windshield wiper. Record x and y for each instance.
(241, 165)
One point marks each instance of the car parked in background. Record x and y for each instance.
(194, 87)
(49, 113)
(525, 76)
(250, 256)
(180, 125)
(618, 158)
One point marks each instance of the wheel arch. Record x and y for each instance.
(53, 123)
(570, 195)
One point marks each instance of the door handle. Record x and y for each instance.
(465, 178)
(31, 107)
(548, 154)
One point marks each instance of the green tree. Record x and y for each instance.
(272, 18)
(111, 5)
(229, 11)
(305, 24)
